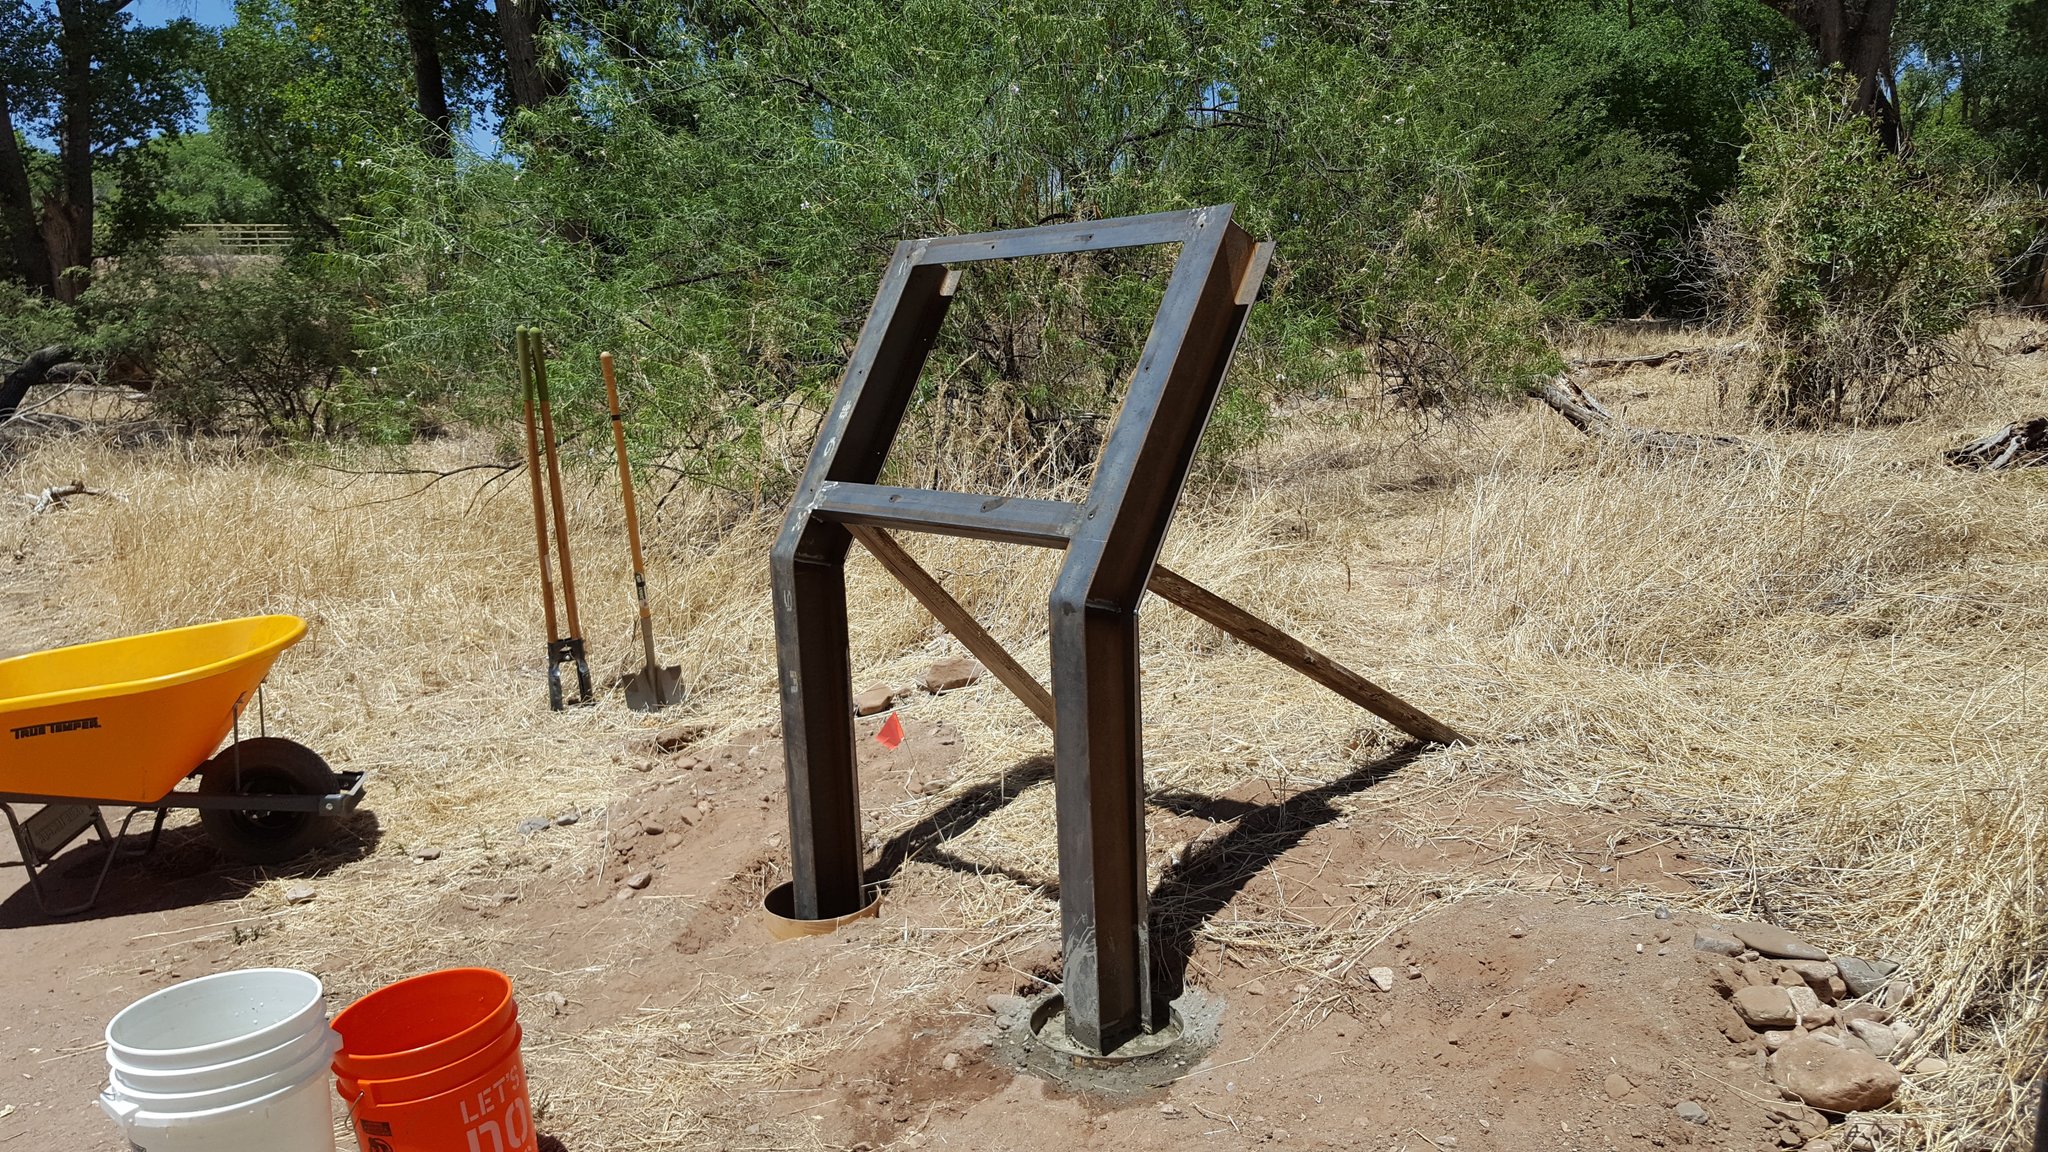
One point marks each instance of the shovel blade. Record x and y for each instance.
(652, 689)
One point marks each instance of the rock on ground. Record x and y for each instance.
(1771, 940)
(1882, 1040)
(1808, 1005)
(1864, 976)
(678, 737)
(874, 700)
(1716, 941)
(1833, 1079)
(1765, 1006)
(951, 673)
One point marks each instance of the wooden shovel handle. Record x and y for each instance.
(537, 345)
(611, 395)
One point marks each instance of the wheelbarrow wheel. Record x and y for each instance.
(268, 766)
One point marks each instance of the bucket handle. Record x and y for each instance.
(122, 1111)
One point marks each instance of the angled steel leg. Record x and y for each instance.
(1097, 742)
(807, 574)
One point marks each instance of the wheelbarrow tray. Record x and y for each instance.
(123, 721)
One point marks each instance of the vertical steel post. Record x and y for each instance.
(1097, 743)
(807, 575)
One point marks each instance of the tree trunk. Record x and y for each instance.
(1856, 37)
(426, 75)
(530, 77)
(17, 206)
(67, 217)
(27, 375)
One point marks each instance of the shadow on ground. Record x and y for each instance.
(1191, 892)
(922, 841)
(185, 870)
(1211, 875)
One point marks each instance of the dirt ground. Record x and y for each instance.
(1796, 681)
(1551, 967)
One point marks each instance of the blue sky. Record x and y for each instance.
(205, 11)
(215, 13)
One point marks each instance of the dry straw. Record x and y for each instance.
(1818, 663)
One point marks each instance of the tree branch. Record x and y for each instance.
(28, 374)
(1584, 411)
(2021, 444)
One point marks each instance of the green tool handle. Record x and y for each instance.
(540, 515)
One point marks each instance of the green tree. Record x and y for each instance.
(1856, 37)
(197, 182)
(1854, 269)
(83, 73)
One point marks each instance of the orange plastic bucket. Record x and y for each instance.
(431, 1064)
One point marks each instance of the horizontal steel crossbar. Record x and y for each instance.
(1091, 236)
(1009, 519)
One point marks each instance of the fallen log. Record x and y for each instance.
(2021, 444)
(1584, 411)
(28, 374)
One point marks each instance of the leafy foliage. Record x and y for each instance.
(269, 353)
(715, 184)
(1854, 270)
(717, 195)
(199, 183)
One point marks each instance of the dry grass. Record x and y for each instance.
(1820, 663)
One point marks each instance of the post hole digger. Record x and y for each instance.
(533, 380)
(653, 687)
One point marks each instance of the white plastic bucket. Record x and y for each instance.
(295, 1119)
(234, 1062)
(205, 1077)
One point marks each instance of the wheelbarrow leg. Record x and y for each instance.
(28, 858)
(35, 864)
(156, 832)
(107, 865)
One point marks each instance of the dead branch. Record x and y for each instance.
(1575, 404)
(1654, 359)
(433, 476)
(2021, 444)
(54, 496)
(2029, 344)
(1584, 411)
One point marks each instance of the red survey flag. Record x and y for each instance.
(892, 732)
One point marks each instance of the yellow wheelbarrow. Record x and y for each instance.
(122, 722)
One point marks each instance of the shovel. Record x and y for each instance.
(653, 687)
